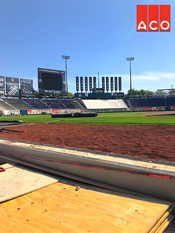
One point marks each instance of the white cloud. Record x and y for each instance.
(154, 76)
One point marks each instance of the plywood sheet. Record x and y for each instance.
(65, 208)
(16, 181)
(162, 221)
(165, 224)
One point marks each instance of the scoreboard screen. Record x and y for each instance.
(51, 81)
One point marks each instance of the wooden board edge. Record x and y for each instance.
(161, 220)
(17, 196)
(165, 224)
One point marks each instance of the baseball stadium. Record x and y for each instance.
(100, 140)
(87, 116)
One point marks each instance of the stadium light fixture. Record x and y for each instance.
(66, 58)
(130, 59)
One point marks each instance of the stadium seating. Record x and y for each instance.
(54, 103)
(5, 106)
(170, 101)
(81, 103)
(71, 103)
(35, 104)
(134, 103)
(131, 103)
(156, 102)
(17, 104)
(104, 104)
(151, 102)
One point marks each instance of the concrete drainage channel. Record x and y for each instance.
(155, 178)
(4, 124)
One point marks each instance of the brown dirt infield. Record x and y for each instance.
(159, 113)
(153, 142)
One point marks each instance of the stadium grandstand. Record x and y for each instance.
(12, 105)
(5, 106)
(51, 83)
(54, 103)
(35, 103)
(113, 104)
(152, 102)
(71, 103)
(9, 106)
(17, 104)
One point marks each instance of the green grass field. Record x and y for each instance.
(124, 118)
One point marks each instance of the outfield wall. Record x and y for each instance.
(54, 111)
(109, 110)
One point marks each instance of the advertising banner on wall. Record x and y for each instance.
(12, 89)
(26, 82)
(2, 86)
(26, 86)
(12, 80)
(26, 90)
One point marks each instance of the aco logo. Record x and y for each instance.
(153, 18)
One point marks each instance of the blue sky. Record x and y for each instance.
(97, 34)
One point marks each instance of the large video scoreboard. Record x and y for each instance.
(51, 81)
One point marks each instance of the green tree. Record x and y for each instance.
(139, 93)
(36, 94)
(172, 92)
(70, 94)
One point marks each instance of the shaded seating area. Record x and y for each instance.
(35, 103)
(151, 102)
(54, 103)
(5, 106)
(156, 102)
(17, 103)
(71, 103)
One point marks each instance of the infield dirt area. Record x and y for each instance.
(167, 113)
(153, 142)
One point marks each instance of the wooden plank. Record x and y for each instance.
(17, 181)
(161, 220)
(65, 208)
(165, 224)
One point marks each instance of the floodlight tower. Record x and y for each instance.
(66, 58)
(130, 59)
